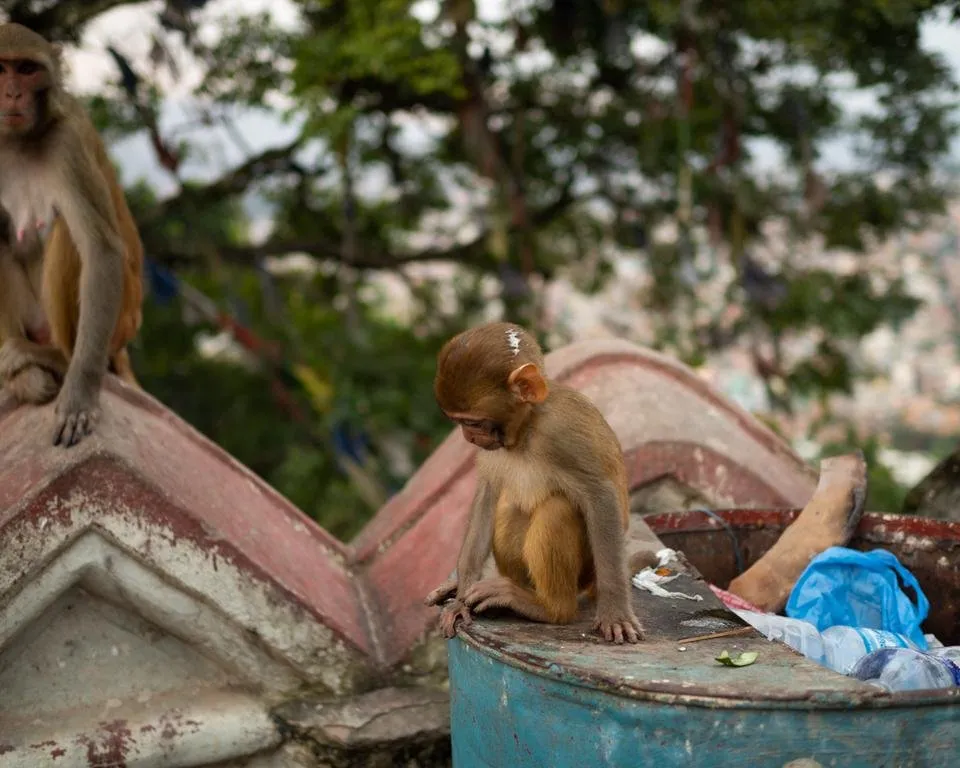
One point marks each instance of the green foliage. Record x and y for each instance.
(243, 65)
(561, 134)
(236, 405)
(377, 39)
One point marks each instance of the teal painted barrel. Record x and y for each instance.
(529, 696)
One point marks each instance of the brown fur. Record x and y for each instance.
(473, 367)
(80, 292)
(552, 499)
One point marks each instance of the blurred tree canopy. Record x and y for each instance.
(551, 135)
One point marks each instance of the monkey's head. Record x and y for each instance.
(488, 380)
(29, 81)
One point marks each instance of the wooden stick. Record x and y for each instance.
(715, 635)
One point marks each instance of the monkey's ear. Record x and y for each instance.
(528, 384)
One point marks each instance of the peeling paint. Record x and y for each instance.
(111, 748)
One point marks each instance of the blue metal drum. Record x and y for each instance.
(531, 696)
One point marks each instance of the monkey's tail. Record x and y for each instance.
(120, 365)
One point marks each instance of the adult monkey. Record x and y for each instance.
(68, 307)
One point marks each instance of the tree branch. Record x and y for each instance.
(63, 20)
(475, 253)
(236, 182)
(327, 249)
(388, 96)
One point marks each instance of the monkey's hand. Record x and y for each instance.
(617, 625)
(442, 593)
(452, 613)
(77, 411)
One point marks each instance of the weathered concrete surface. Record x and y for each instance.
(156, 597)
(387, 727)
(148, 485)
(174, 730)
(147, 563)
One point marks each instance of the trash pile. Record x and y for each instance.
(853, 612)
(652, 578)
(858, 613)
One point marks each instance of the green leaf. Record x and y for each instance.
(745, 659)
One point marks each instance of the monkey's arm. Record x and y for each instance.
(473, 554)
(478, 538)
(615, 620)
(83, 199)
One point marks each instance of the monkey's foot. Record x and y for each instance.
(18, 353)
(442, 593)
(33, 385)
(451, 615)
(828, 520)
(618, 627)
(498, 592)
(501, 592)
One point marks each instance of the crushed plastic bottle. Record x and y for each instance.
(951, 652)
(802, 636)
(906, 669)
(847, 645)
(838, 648)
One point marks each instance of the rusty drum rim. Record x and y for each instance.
(873, 527)
(702, 696)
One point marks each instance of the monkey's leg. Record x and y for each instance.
(120, 365)
(510, 527)
(553, 553)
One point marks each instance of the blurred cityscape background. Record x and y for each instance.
(328, 189)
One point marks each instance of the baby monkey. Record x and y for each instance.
(551, 497)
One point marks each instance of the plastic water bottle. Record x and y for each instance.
(904, 669)
(802, 636)
(838, 648)
(845, 646)
(951, 652)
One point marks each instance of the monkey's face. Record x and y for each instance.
(483, 433)
(22, 85)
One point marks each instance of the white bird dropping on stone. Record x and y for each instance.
(513, 339)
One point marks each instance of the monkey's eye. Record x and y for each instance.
(27, 67)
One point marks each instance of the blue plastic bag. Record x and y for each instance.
(845, 587)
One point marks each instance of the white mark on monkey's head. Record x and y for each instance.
(513, 339)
